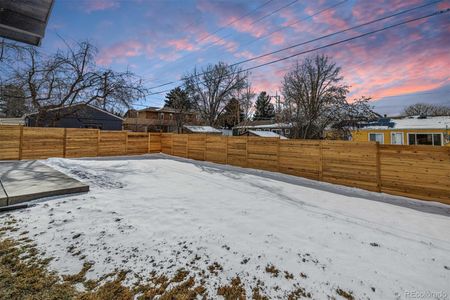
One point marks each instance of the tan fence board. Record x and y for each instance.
(166, 143)
(81, 142)
(137, 143)
(9, 142)
(38, 143)
(155, 143)
(112, 143)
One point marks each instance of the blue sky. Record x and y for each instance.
(162, 40)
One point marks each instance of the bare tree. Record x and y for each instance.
(315, 98)
(71, 77)
(424, 109)
(246, 102)
(213, 87)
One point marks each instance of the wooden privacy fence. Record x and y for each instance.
(415, 171)
(18, 142)
(421, 172)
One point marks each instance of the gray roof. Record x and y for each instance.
(24, 21)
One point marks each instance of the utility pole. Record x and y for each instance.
(277, 104)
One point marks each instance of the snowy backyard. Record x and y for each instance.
(239, 231)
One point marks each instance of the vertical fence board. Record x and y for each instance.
(112, 143)
(10, 142)
(81, 142)
(416, 171)
(196, 146)
(262, 153)
(300, 158)
(351, 164)
(237, 151)
(179, 145)
(137, 143)
(155, 143)
(216, 149)
(166, 143)
(40, 143)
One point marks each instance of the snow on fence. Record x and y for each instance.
(416, 171)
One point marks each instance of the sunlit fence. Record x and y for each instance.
(415, 171)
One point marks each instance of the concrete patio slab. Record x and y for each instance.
(29, 180)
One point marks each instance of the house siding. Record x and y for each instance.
(363, 135)
(84, 117)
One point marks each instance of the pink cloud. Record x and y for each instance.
(121, 51)
(97, 5)
(181, 44)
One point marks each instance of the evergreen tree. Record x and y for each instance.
(178, 98)
(264, 109)
(232, 114)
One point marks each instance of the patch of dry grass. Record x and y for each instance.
(24, 274)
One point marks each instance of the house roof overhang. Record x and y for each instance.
(24, 21)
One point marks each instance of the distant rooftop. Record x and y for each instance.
(262, 133)
(415, 122)
(262, 124)
(202, 129)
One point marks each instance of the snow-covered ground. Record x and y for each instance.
(160, 214)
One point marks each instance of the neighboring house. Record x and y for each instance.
(417, 130)
(201, 129)
(154, 119)
(76, 116)
(12, 121)
(283, 129)
(261, 133)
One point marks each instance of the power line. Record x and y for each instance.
(225, 26)
(271, 33)
(318, 48)
(293, 23)
(313, 40)
(234, 21)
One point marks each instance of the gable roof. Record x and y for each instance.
(80, 104)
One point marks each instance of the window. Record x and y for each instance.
(171, 116)
(161, 116)
(432, 139)
(287, 131)
(376, 137)
(397, 138)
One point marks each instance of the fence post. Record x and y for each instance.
(98, 142)
(148, 142)
(171, 143)
(246, 151)
(204, 147)
(278, 154)
(320, 160)
(226, 149)
(187, 146)
(21, 142)
(378, 167)
(65, 142)
(126, 142)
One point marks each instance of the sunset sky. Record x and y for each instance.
(162, 40)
